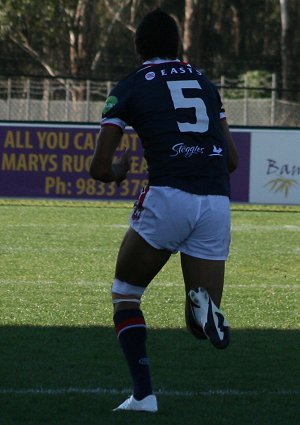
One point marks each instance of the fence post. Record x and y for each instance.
(273, 99)
(87, 101)
(67, 100)
(222, 86)
(245, 100)
(27, 109)
(8, 98)
(46, 93)
(108, 87)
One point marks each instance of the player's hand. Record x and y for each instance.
(121, 168)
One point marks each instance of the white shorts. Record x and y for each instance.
(174, 220)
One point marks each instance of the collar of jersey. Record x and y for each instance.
(157, 61)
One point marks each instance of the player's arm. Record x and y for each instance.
(233, 153)
(102, 166)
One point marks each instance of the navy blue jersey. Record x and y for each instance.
(176, 112)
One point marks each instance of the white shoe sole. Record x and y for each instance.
(207, 315)
(147, 404)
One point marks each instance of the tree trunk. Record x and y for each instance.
(287, 63)
(81, 38)
(192, 43)
(187, 29)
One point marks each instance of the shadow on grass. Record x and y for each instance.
(253, 381)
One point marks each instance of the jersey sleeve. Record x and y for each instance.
(115, 110)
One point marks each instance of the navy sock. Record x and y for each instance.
(131, 330)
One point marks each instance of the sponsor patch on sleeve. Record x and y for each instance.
(111, 101)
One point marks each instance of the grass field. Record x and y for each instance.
(61, 363)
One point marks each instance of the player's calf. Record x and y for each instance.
(131, 331)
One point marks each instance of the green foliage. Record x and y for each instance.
(50, 34)
(255, 84)
(40, 31)
(258, 79)
(232, 36)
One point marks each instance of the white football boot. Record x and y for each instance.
(147, 404)
(207, 315)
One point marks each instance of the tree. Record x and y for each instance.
(65, 37)
(290, 47)
(93, 38)
(231, 36)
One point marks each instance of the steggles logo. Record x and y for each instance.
(180, 149)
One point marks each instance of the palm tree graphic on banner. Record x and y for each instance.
(282, 185)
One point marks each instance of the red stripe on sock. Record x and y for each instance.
(130, 322)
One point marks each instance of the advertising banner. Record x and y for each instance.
(240, 177)
(52, 161)
(275, 167)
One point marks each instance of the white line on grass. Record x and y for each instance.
(117, 226)
(66, 225)
(235, 227)
(264, 228)
(158, 283)
(163, 392)
(249, 286)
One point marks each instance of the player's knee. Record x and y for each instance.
(126, 295)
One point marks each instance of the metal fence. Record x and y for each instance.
(43, 99)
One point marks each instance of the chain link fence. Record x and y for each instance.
(66, 100)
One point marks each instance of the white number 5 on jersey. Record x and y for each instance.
(179, 101)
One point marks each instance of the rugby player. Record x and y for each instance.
(178, 115)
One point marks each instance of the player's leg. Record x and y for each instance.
(158, 220)
(137, 264)
(203, 256)
(204, 281)
(210, 273)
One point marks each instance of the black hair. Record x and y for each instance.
(157, 36)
